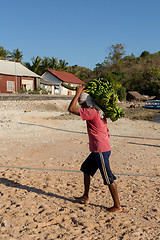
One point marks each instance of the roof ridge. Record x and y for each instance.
(65, 76)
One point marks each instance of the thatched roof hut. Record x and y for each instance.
(135, 96)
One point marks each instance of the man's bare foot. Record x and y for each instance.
(114, 209)
(82, 199)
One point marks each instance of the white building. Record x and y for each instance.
(52, 81)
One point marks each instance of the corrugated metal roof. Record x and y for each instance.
(15, 68)
(66, 77)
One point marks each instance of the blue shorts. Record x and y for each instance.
(99, 160)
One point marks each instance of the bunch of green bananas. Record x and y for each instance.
(103, 94)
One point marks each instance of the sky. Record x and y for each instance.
(79, 31)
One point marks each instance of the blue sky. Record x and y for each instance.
(79, 32)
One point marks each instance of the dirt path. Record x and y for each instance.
(47, 147)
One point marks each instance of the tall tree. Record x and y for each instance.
(62, 65)
(45, 63)
(116, 52)
(36, 64)
(53, 63)
(4, 54)
(17, 55)
(145, 54)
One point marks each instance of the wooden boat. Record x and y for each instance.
(152, 104)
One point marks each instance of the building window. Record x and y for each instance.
(10, 86)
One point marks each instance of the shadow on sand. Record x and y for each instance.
(14, 184)
(144, 144)
(71, 131)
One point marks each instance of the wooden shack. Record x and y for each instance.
(135, 96)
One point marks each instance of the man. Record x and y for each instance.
(99, 143)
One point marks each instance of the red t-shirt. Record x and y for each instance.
(98, 132)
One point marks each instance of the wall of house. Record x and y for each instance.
(8, 84)
(47, 88)
(11, 84)
(56, 83)
(65, 91)
(27, 83)
(48, 76)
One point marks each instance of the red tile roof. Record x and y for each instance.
(66, 77)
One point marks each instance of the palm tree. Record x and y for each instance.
(45, 63)
(16, 55)
(4, 54)
(27, 65)
(36, 65)
(53, 63)
(62, 65)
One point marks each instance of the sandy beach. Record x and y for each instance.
(41, 151)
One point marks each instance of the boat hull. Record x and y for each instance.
(152, 104)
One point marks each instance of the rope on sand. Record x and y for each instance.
(64, 170)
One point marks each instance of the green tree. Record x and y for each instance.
(16, 55)
(116, 52)
(53, 63)
(62, 65)
(145, 54)
(4, 54)
(45, 64)
(128, 60)
(36, 65)
(151, 81)
(28, 65)
(121, 92)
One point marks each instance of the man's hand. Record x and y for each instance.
(79, 90)
(72, 107)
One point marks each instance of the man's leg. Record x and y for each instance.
(89, 168)
(86, 185)
(85, 196)
(113, 190)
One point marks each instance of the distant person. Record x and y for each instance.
(99, 144)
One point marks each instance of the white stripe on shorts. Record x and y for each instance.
(104, 168)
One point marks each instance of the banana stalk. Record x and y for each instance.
(68, 86)
(103, 94)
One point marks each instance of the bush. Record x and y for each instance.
(21, 91)
(121, 93)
